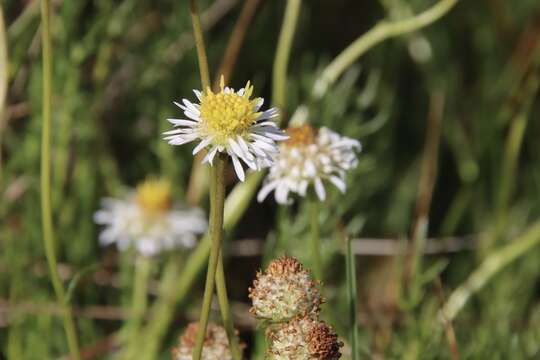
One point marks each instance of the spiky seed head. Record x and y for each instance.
(303, 338)
(283, 291)
(215, 347)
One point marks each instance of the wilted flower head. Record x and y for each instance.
(283, 291)
(229, 122)
(310, 157)
(147, 220)
(215, 346)
(303, 339)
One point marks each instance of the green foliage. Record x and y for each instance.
(118, 65)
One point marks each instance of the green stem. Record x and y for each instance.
(143, 269)
(511, 156)
(283, 52)
(176, 285)
(4, 81)
(226, 315)
(315, 237)
(217, 200)
(46, 212)
(350, 263)
(489, 268)
(198, 176)
(199, 43)
(380, 32)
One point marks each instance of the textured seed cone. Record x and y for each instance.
(303, 339)
(285, 290)
(216, 345)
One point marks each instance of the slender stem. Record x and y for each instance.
(283, 52)
(514, 142)
(235, 41)
(315, 237)
(199, 43)
(176, 285)
(490, 267)
(217, 199)
(226, 315)
(428, 176)
(163, 309)
(198, 176)
(46, 212)
(380, 32)
(143, 268)
(352, 297)
(4, 80)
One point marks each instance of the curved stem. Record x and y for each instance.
(489, 267)
(315, 237)
(226, 315)
(380, 32)
(283, 52)
(46, 212)
(217, 198)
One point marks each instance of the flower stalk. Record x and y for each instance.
(225, 308)
(217, 200)
(315, 237)
(199, 44)
(46, 208)
(283, 52)
(217, 203)
(139, 303)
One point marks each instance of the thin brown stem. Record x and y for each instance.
(236, 40)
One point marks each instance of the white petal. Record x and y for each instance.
(319, 189)
(182, 122)
(339, 183)
(180, 140)
(265, 190)
(274, 135)
(236, 148)
(282, 193)
(210, 156)
(202, 144)
(238, 168)
(245, 148)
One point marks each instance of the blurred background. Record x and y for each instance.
(448, 118)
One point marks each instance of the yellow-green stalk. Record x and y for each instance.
(46, 209)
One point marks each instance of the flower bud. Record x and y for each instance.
(303, 339)
(283, 291)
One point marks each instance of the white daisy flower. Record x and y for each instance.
(229, 122)
(146, 220)
(310, 157)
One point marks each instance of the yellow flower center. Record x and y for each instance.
(300, 135)
(228, 114)
(154, 195)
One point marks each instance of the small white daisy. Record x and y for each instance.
(310, 157)
(229, 122)
(146, 220)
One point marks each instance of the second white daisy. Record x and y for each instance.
(229, 122)
(310, 157)
(147, 221)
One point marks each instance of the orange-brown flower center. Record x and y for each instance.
(301, 135)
